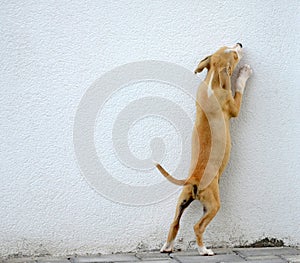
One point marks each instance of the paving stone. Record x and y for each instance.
(185, 253)
(153, 256)
(160, 261)
(156, 261)
(19, 260)
(292, 258)
(217, 251)
(52, 260)
(248, 252)
(222, 251)
(266, 259)
(209, 259)
(105, 258)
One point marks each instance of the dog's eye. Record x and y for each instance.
(235, 56)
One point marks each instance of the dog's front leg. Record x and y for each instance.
(235, 103)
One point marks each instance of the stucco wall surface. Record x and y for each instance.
(52, 52)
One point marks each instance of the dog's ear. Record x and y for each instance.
(204, 63)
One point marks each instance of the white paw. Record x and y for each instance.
(245, 72)
(167, 248)
(203, 251)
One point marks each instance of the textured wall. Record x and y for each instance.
(51, 52)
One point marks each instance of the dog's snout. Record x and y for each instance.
(240, 45)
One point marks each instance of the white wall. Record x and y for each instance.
(51, 52)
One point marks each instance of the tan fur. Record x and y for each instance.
(220, 67)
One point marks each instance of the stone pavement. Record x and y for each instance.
(253, 255)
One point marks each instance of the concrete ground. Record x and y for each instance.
(253, 255)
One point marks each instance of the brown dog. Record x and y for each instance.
(211, 141)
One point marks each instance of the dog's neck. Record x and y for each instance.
(209, 87)
(212, 79)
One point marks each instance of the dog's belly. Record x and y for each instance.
(201, 149)
(226, 156)
(201, 146)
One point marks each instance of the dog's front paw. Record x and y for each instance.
(244, 73)
(203, 251)
(167, 248)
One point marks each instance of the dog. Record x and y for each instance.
(215, 106)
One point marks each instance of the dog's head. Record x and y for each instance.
(225, 58)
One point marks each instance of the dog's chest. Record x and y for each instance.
(223, 97)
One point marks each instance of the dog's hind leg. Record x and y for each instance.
(185, 198)
(211, 204)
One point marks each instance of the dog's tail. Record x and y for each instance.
(170, 177)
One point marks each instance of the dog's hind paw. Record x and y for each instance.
(203, 251)
(167, 248)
